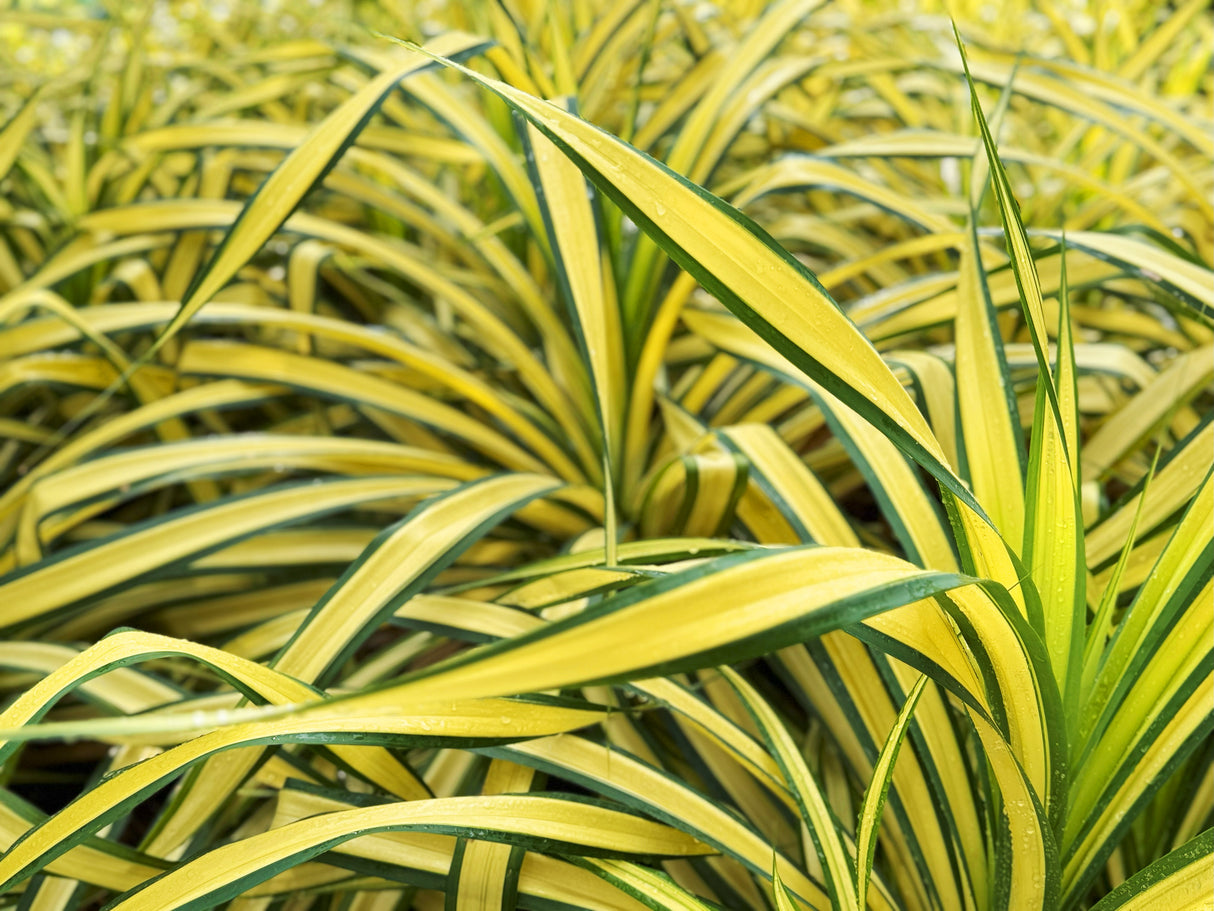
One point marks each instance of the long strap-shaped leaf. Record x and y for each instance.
(746, 269)
(1189, 281)
(1053, 543)
(217, 395)
(1025, 863)
(1079, 90)
(688, 154)
(585, 279)
(1023, 267)
(535, 822)
(396, 565)
(857, 712)
(1170, 589)
(401, 855)
(802, 172)
(1150, 755)
(277, 198)
(655, 889)
(12, 137)
(986, 403)
(746, 604)
(359, 721)
(348, 730)
(815, 811)
(98, 484)
(1185, 376)
(1181, 474)
(878, 788)
(716, 612)
(1053, 539)
(128, 647)
(1179, 881)
(659, 794)
(124, 690)
(45, 334)
(96, 861)
(906, 505)
(103, 564)
(769, 289)
(486, 873)
(492, 332)
(783, 898)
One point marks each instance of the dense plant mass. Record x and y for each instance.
(648, 454)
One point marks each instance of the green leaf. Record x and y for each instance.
(534, 822)
(1180, 880)
(290, 182)
(815, 812)
(878, 788)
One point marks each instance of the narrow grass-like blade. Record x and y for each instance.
(990, 422)
(907, 506)
(878, 789)
(278, 197)
(97, 566)
(397, 564)
(646, 789)
(653, 889)
(587, 283)
(783, 898)
(815, 812)
(687, 155)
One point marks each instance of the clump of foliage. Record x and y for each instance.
(613, 456)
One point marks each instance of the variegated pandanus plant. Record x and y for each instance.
(606, 456)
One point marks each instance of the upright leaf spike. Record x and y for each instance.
(878, 789)
(1102, 625)
(991, 440)
(1023, 266)
(1065, 371)
(1052, 533)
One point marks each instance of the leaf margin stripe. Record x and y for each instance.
(815, 811)
(504, 816)
(878, 789)
(1185, 869)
